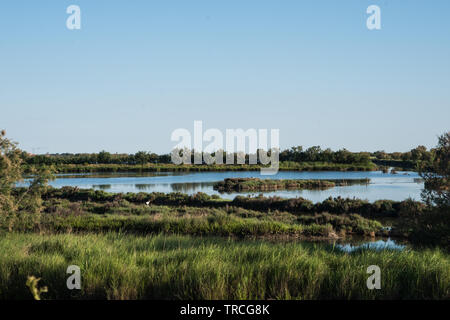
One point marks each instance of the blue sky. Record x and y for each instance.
(137, 70)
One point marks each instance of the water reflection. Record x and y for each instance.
(102, 186)
(382, 186)
(376, 246)
(143, 186)
(190, 188)
(115, 174)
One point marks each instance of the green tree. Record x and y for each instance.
(104, 157)
(313, 153)
(380, 154)
(420, 153)
(436, 173)
(142, 157)
(24, 202)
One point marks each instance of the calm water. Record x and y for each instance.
(378, 245)
(350, 244)
(382, 186)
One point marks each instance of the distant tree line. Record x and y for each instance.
(316, 154)
(419, 153)
(294, 154)
(103, 157)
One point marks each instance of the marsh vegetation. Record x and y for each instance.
(256, 184)
(200, 246)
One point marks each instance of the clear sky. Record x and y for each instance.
(137, 70)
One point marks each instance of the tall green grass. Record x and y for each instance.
(219, 224)
(118, 266)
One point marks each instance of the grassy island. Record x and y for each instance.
(256, 184)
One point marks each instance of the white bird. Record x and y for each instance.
(147, 203)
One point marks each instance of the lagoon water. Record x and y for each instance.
(382, 186)
(378, 245)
